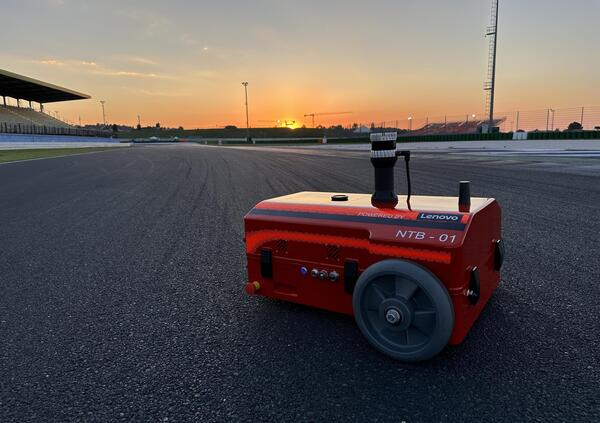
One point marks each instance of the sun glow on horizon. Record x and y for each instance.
(290, 123)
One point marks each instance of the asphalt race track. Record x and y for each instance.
(121, 296)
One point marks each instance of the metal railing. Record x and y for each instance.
(549, 119)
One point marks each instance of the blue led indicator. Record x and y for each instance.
(303, 271)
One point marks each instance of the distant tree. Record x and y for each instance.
(372, 126)
(575, 126)
(157, 126)
(231, 127)
(355, 125)
(180, 128)
(138, 127)
(115, 128)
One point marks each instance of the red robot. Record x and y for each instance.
(415, 275)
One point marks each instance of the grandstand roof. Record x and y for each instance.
(25, 88)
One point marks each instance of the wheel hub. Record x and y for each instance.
(396, 313)
(393, 316)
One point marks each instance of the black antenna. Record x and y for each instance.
(406, 155)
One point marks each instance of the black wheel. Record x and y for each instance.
(403, 310)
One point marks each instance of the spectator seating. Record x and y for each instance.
(26, 116)
(460, 127)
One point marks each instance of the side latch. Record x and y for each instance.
(266, 263)
(350, 275)
(474, 291)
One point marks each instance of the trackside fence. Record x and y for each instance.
(508, 136)
(548, 119)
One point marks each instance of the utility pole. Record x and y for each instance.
(490, 85)
(245, 84)
(103, 113)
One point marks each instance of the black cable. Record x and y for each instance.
(406, 160)
(406, 155)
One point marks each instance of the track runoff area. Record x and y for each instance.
(122, 294)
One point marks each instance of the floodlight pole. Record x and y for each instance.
(103, 113)
(245, 84)
(491, 83)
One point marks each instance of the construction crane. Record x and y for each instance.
(324, 114)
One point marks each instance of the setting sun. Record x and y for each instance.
(290, 123)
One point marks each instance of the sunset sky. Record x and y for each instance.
(181, 62)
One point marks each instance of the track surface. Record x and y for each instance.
(121, 297)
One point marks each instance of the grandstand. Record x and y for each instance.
(455, 127)
(26, 116)
(27, 120)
